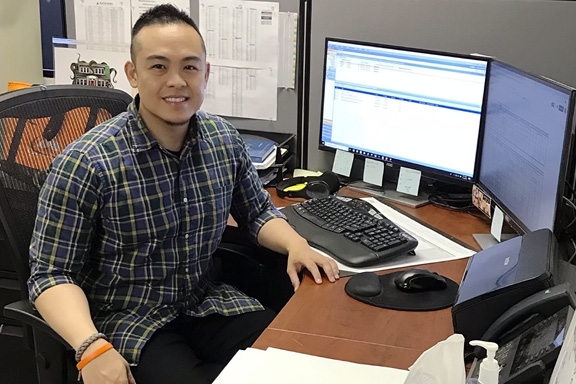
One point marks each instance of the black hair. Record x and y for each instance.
(163, 14)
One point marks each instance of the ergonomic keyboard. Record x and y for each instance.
(349, 229)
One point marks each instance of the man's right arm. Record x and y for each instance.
(65, 308)
(58, 250)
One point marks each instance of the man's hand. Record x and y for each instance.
(108, 368)
(279, 236)
(305, 257)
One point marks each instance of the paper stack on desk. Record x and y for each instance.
(255, 366)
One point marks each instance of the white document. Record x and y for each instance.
(288, 37)
(242, 48)
(103, 25)
(141, 6)
(305, 172)
(284, 367)
(242, 368)
(432, 246)
(565, 368)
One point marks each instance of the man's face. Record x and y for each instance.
(170, 72)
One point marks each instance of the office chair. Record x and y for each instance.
(35, 125)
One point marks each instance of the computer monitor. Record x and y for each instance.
(525, 157)
(411, 107)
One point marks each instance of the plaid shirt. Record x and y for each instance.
(135, 225)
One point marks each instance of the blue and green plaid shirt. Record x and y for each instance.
(135, 225)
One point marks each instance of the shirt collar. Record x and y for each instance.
(142, 138)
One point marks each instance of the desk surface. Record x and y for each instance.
(322, 320)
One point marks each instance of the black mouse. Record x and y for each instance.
(419, 280)
(365, 284)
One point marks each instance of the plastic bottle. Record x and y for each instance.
(489, 368)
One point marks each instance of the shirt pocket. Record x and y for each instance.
(133, 222)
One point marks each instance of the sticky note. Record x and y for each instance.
(409, 181)
(497, 223)
(343, 163)
(373, 171)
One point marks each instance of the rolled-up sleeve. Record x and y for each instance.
(63, 228)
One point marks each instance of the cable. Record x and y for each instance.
(574, 252)
(570, 202)
(567, 229)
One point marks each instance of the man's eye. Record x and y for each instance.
(158, 66)
(190, 68)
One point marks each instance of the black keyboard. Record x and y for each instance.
(350, 230)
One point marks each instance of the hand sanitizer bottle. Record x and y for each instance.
(489, 368)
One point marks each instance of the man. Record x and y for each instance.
(131, 214)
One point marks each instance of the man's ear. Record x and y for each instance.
(130, 70)
(207, 74)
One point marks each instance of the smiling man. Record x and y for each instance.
(132, 213)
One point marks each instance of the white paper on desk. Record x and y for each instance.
(242, 367)
(285, 367)
(432, 246)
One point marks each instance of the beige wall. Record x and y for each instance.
(20, 46)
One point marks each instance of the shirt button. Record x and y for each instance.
(186, 236)
(185, 199)
(186, 269)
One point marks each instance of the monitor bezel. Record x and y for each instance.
(430, 173)
(567, 164)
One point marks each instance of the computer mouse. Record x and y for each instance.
(419, 280)
(365, 284)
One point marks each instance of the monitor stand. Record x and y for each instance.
(388, 192)
(486, 240)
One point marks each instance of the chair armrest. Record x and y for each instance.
(256, 271)
(24, 311)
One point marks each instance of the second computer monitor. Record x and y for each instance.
(526, 143)
(415, 108)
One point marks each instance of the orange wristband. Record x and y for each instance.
(93, 355)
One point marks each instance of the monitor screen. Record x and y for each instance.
(414, 108)
(525, 147)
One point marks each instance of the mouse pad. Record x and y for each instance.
(393, 298)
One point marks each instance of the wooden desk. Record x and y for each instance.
(323, 320)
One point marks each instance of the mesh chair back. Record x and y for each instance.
(36, 124)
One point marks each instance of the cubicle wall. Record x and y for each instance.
(534, 35)
(286, 121)
(287, 115)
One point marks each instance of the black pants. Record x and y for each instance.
(193, 350)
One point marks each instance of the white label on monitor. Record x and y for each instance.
(409, 181)
(373, 171)
(497, 223)
(343, 163)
